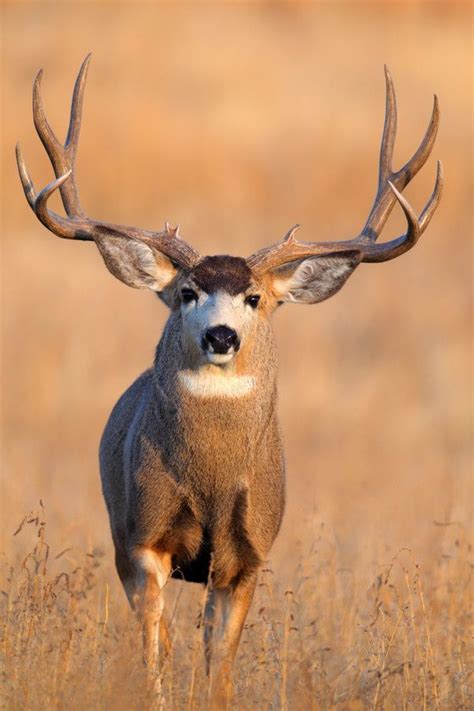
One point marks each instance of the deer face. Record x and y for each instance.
(219, 303)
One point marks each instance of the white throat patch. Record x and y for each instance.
(205, 384)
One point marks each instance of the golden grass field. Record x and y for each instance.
(238, 120)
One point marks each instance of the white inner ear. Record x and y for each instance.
(314, 279)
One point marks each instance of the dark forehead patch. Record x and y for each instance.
(222, 273)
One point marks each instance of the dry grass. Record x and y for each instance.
(327, 641)
(239, 120)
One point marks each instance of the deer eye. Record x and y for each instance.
(188, 295)
(253, 300)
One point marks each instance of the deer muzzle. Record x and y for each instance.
(220, 341)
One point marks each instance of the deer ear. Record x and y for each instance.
(134, 262)
(308, 281)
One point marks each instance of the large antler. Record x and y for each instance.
(390, 185)
(63, 157)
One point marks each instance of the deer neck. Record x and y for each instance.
(239, 397)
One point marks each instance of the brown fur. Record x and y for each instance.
(223, 272)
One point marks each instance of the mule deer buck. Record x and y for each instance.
(191, 459)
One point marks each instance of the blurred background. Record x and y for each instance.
(238, 120)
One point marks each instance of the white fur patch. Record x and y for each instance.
(219, 309)
(151, 562)
(220, 358)
(205, 384)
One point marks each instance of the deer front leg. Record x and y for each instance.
(214, 621)
(153, 570)
(235, 605)
(127, 573)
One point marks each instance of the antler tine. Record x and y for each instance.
(75, 118)
(423, 152)
(43, 129)
(26, 181)
(390, 185)
(433, 202)
(389, 132)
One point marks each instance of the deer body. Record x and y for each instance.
(192, 464)
(191, 458)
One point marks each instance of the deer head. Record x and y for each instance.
(222, 300)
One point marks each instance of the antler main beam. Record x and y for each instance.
(390, 185)
(76, 225)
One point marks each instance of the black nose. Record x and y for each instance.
(221, 338)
